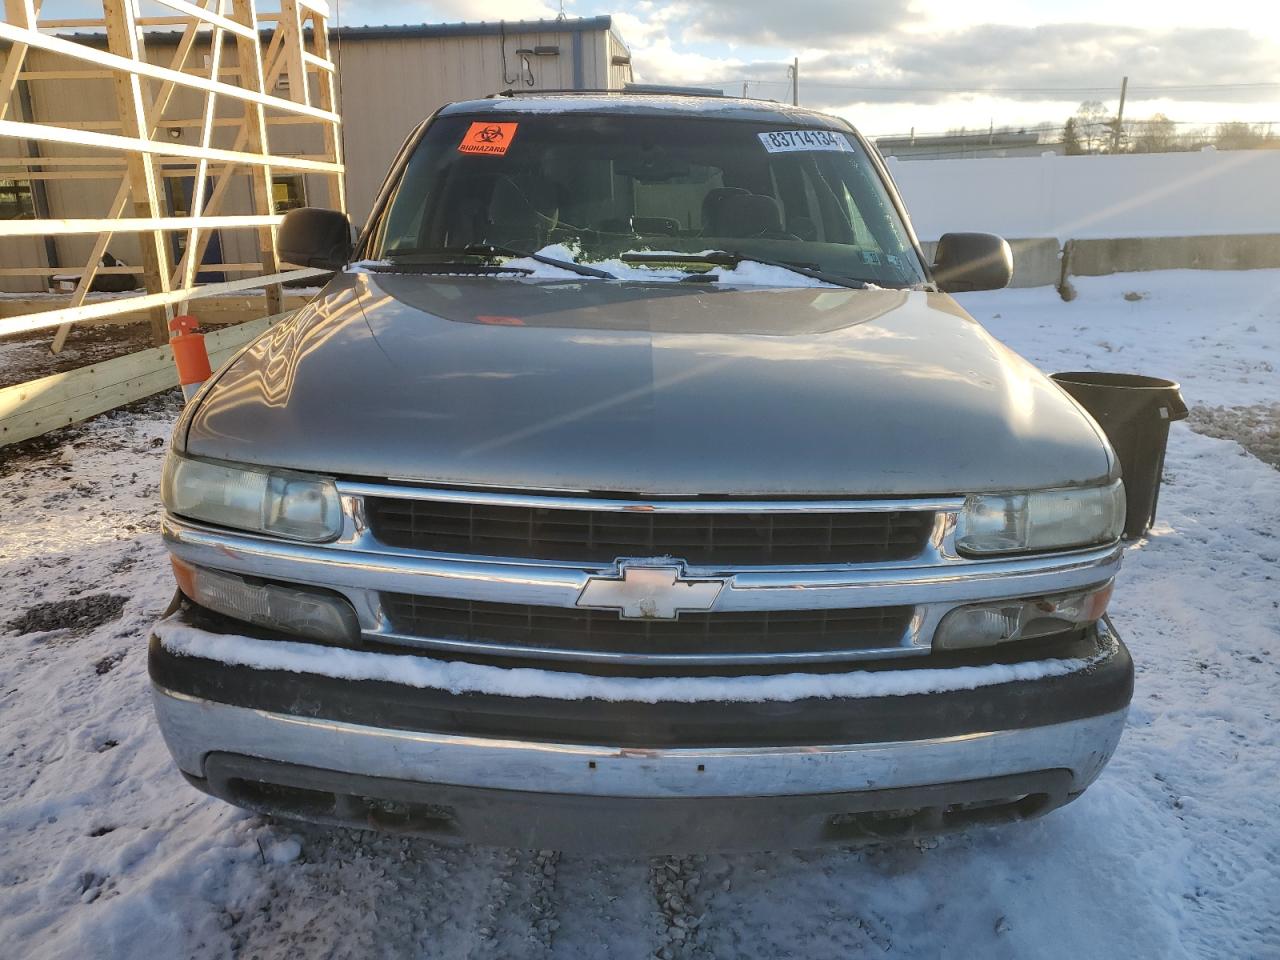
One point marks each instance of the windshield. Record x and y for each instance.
(614, 186)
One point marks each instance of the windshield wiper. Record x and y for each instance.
(727, 258)
(445, 268)
(493, 250)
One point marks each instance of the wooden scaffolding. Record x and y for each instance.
(271, 68)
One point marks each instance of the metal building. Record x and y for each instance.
(390, 78)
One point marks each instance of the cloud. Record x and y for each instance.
(803, 23)
(1052, 62)
(445, 11)
(1080, 55)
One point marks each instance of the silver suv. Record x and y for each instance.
(636, 485)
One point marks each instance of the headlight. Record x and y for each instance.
(278, 502)
(1041, 519)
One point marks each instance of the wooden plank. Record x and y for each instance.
(125, 42)
(65, 228)
(60, 387)
(318, 63)
(220, 186)
(209, 17)
(193, 255)
(181, 173)
(158, 107)
(329, 101)
(111, 141)
(65, 74)
(75, 269)
(110, 308)
(67, 174)
(141, 68)
(58, 161)
(249, 59)
(38, 406)
(295, 66)
(115, 124)
(98, 22)
(23, 13)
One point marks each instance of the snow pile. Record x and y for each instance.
(1215, 333)
(458, 677)
(1174, 854)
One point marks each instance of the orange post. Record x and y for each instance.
(189, 354)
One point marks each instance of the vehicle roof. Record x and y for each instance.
(648, 105)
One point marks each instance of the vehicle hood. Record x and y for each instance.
(646, 388)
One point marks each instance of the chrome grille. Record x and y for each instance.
(581, 632)
(602, 536)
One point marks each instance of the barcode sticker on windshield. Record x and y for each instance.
(791, 141)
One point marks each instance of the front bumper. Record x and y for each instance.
(344, 751)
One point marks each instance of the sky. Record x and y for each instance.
(893, 66)
(934, 65)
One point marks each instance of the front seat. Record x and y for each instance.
(749, 215)
(711, 204)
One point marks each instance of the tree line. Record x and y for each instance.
(1093, 129)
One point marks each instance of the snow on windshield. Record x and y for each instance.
(745, 274)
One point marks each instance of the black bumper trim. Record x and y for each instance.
(1104, 688)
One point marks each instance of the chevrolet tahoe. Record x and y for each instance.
(636, 484)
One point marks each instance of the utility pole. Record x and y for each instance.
(795, 82)
(1119, 121)
(744, 89)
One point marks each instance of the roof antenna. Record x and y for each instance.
(561, 15)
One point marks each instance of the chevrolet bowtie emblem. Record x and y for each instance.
(649, 592)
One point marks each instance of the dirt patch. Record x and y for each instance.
(26, 357)
(1256, 428)
(17, 457)
(79, 614)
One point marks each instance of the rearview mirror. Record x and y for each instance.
(965, 262)
(313, 237)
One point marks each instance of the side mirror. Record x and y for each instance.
(313, 237)
(965, 262)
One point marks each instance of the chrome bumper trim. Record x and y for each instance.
(194, 728)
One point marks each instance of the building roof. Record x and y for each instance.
(482, 28)
(646, 104)
(411, 31)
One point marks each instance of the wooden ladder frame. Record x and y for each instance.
(127, 149)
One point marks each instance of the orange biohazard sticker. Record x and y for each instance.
(490, 138)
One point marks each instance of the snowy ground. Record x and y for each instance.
(1175, 852)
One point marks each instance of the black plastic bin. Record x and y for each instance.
(1135, 413)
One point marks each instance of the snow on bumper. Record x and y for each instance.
(460, 677)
